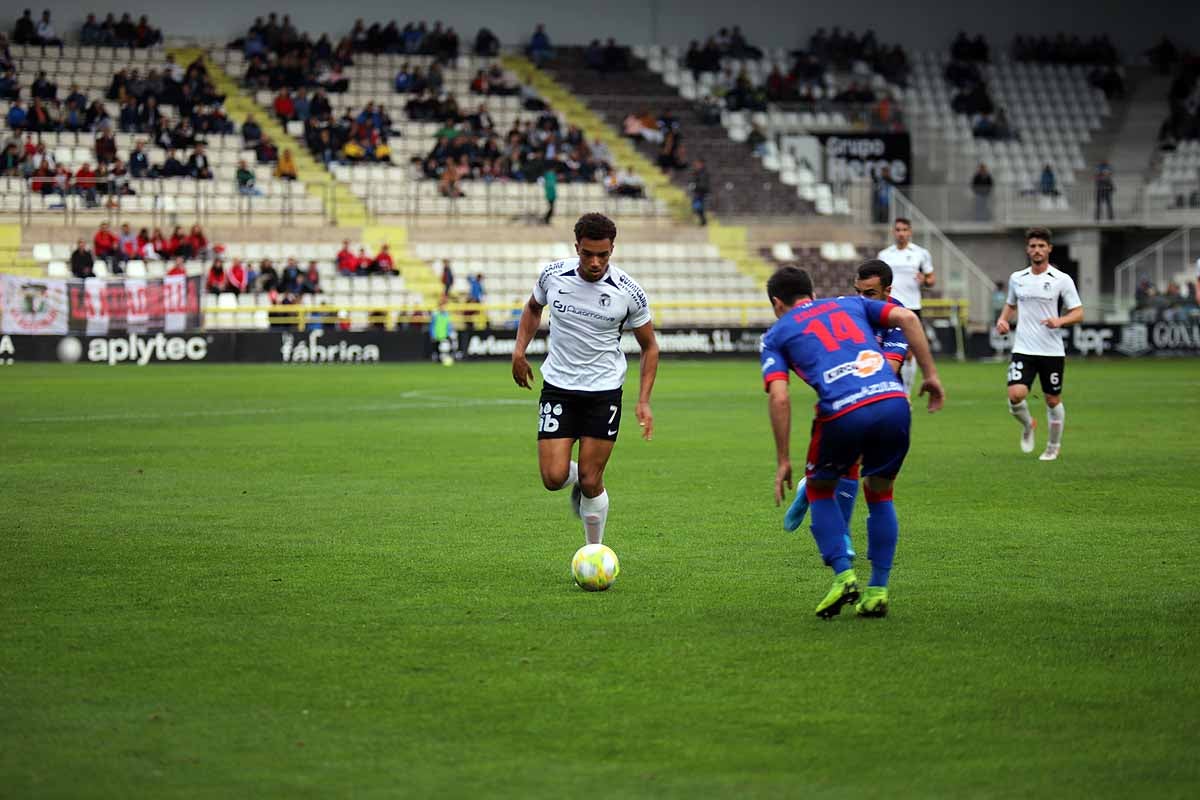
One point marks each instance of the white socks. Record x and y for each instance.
(1056, 416)
(594, 511)
(1021, 412)
(572, 476)
(908, 371)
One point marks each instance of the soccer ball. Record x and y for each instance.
(595, 567)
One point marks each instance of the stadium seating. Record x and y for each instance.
(398, 188)
(1051, 107)
(831, 264)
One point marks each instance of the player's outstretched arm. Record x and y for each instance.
(780, 408)
(649, 370)
(531, 318)
(910, 323)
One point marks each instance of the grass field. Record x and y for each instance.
(348, 582)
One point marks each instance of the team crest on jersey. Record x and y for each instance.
(605, 300)
(865, 365)
(1046, 286)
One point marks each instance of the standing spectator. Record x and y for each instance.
(881, 196)
(1104, 189)
(550, 188)
(701, 188)
(82, 261)
(441, 334)
(475, 294)
(447, 278)
(1048, 185)
(981, 187)
(539, 48)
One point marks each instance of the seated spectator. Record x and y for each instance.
(177, 267)
(198, 166)
(383, 263)
(25, 31)
(251, 131)
(172, 167)
(16, 116)
(347, 262)
(139, 162)
(217, 281)
(290, 278)
(45, 34)
(10, 160)
(311, 282)
(244, 178)
(106, 148)
(197, 243)
(85, 184)
(161, 244)
(82, 261)
(43, 88)
(266, 152)
(127, 244)
(626, 183)
(268, 278)
(238, 277)
(105, 242)
(285, 109)
(285, 169)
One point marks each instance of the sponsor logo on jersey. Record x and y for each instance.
(770, 362)
(571, 308)
(867, 364)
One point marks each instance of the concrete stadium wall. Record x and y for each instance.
(924, 24)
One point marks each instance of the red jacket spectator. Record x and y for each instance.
(217, 281)
(347, 262)
(161, 244)
(85, 178)
(363, 262)
(237, 276)
(177, 268)
(384, 261)
(104, 242)
(285, 109)
(197, 241)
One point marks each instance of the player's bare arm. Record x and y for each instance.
(780, 406)
(929, 279)
(1002, 325)
(649, 370)
(1072, 317)
(531, 318)
(919, 347)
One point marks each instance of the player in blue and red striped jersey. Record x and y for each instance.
(862, 413)
(873, 280)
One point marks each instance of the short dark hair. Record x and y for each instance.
(1038, 233)
(875, 268)
(595, 226)
(905, 220)
(789, 284)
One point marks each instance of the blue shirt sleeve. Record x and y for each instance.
(774, 365)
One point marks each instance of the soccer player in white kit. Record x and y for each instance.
(591, 302)
(912, 269)
(1034, 293)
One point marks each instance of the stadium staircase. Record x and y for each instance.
(12, 259)
(343, 207)
(731, 240)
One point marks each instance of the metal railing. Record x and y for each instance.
(1159, 263)
(167, 202)
(958, 276)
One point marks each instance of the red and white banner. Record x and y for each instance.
(33, 305)
(170, 304)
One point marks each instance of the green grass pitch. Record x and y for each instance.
(348, 582)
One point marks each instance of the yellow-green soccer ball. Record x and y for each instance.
(595, 567)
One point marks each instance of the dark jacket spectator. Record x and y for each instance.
(82, 261)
